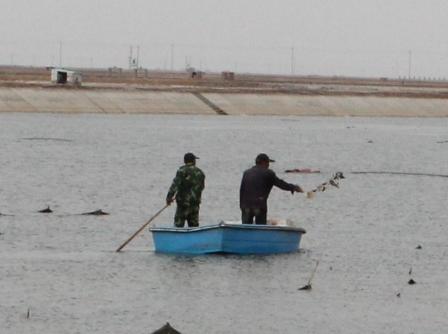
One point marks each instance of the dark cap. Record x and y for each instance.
(262, 157)
(190, 157)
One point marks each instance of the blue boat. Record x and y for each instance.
(227, 238)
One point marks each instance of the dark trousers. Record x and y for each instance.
(186, 213)
(248, 215)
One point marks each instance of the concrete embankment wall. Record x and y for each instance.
(99, 101)
(237, 104)
(152, 102)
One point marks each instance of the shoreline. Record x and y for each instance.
(169, 93)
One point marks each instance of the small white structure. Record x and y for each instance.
(61, 76)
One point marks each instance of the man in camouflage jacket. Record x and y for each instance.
(187, 187)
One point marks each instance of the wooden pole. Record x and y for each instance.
(314, 271)
(141, 228)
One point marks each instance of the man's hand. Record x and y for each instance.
(298, 189)
(169, 201)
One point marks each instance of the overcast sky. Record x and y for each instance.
(329, 37)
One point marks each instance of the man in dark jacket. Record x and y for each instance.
(187, 186)
(255, 187)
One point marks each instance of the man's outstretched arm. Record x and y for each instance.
(286, 186)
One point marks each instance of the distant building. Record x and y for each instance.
(193, 73)
(61, 76)
(228, 75)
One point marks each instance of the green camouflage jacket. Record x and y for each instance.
(187, 186)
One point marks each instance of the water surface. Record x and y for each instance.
(63, 267)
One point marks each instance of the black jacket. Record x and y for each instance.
(256, 185)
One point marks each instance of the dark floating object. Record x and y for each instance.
(95, 213)
(28, 313)
(5, 215)
(334, 183)
(306, 287)
(410, 271)
(47, 210)
(398, 295)
(167, 329)
(399, 173)
(370, 141)
(302, 170)
(442, 142)
(411, 282)
(47, 139)
(418, 247)
(339, 176)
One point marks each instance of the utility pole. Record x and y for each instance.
(292, 61)
(172, 57)
(60, 53)
(410, 65)
(130, 57)
(138, 56)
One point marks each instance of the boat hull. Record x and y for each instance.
(227, 238)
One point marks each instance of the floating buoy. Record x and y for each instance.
(411, 282)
